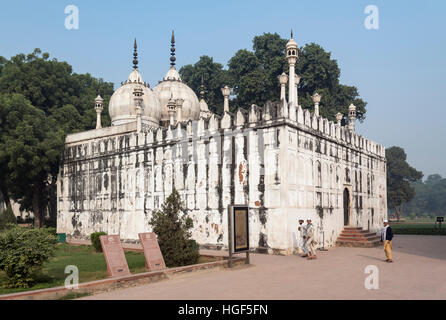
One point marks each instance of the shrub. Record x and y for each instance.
(173, 231)
(23, 252)
(51, 230)
(6, 217)
(95, 241)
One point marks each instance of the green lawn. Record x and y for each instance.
(418, 228)
(91, 264)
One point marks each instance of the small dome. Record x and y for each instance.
(172, 74)
(122, 107)
(172, 85)
(291, 47)
(135, 76)
(291, 44)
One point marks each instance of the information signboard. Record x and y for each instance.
(239, 228)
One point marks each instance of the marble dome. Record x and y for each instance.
(122, 107)
(173, 86)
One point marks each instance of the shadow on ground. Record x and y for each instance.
(433, 247)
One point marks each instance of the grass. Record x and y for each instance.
(74, 295)
(91, 265)
(418, 228)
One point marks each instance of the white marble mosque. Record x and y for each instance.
(281, 160)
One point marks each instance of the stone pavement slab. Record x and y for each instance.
(417, 273)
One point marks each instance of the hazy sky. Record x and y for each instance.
(399, 69)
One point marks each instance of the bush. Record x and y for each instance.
(95, 241)
(51, 230)
(23, 252)
(173, 231)
(6, 217)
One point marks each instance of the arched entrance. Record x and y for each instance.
(346, 207)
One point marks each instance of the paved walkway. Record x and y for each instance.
(419, 272)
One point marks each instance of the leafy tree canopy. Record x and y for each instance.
(214, 78)
(50, 85)
(430, 197)
(253, 75)
(320, 73)
(399, 177)
(41, 101)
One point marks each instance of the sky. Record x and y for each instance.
(398, 68)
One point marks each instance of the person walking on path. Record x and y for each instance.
(310, 242)
(386, 238)
(302, 235)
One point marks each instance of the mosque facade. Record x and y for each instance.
(281, 160)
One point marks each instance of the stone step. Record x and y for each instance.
(341, 238)
(358, 244)
(357, 237)
(354, 234)
(353, 228)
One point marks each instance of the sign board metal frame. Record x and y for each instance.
(439, 220)
(232, 230)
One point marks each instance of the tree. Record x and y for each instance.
(30, 146)
(41, 101)
(320, 73)
(51, 84)
(254, 74)
(430, 196)
(254, 77)
(399, 176)
(214, 78)
(433, 178)
(172, 226)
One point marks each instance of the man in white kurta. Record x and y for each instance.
(310, 241)
(301, 235)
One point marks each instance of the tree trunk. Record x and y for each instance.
(52, 206)
(397, 213)
(5, 194)
(37, 206)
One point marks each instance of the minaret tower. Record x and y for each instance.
(291, 56)
(137, 97)
(226, 91)
(283, 80)
(98, 106)
(171, 109)
(352, 116)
